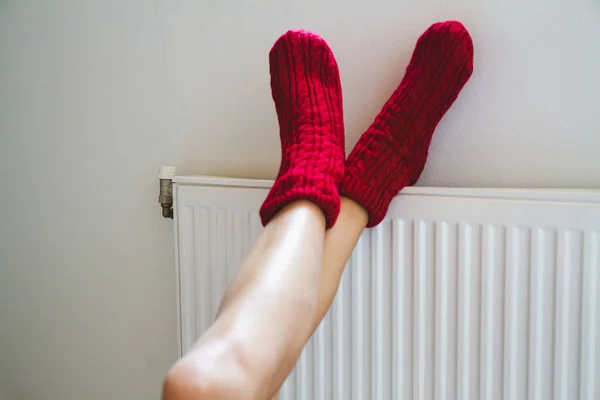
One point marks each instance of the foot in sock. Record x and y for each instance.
(306, 89)
(391, 154)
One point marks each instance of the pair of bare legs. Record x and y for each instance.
(282, 292)
(289, 279)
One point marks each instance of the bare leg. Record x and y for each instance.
(339, 244)
(266, 316)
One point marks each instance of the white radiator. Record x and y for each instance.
(460, 294)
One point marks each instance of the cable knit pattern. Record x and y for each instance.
(306, 89)
(391, 154)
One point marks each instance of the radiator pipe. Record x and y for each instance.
(165, 196)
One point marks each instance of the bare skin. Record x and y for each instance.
(280, 285)
(265, 316)
(340, 241)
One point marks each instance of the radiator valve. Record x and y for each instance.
(165, 196)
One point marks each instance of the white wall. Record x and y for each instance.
(96, 95)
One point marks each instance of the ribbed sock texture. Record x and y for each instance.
(306, 89)
(391, 154)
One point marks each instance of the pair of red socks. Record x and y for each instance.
(391, 154)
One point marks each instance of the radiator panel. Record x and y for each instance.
(472, 295)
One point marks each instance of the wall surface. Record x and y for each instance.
(96, 95)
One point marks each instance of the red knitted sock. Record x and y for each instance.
(391, 154)
(306, 88)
